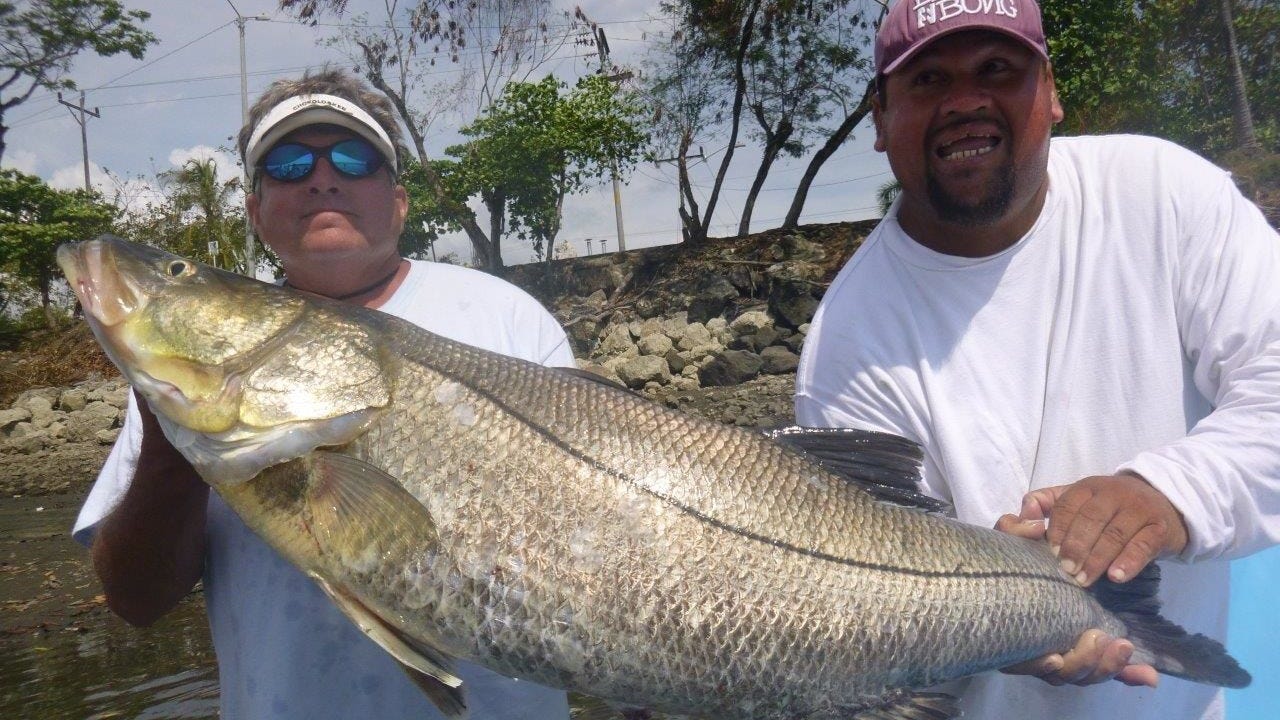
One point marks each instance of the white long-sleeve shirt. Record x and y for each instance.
(1136, 326)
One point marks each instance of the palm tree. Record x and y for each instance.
(203, 212)
(1246, 138)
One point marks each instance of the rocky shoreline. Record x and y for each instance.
(54, 440)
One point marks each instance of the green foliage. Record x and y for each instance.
(430, 217)
(39, 39)
(537, 145)
(35, 219)
(1161, 67)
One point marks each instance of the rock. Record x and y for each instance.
(703, 351)
(107, 437)
(778, 359)
(792, 302)
(716, 325)
(103, 409)
(695, 334)
(28, 443)
(617, 342)
(655, 344)
(766, 336)
(750, 323)
(47, 395)
(72, 399)
(638, 371)
(13, 416)
(733, 367)
(84, 425)
(712, 299)
(608, 373)
(583, 335)
(118, 398)
(675, 325)
(676, 362)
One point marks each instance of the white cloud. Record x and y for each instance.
(23, 161)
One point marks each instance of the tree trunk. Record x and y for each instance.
(497, 207)
(694, 230)
(487, 255)
(775, 139)
(739, 95)
(824, 153)
(1242, 116)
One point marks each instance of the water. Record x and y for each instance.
(63, 655)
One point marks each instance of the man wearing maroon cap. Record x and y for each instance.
(1084, 330)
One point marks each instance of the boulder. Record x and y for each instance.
(750, 323)
(733, 367)
(695, 334)
(84, 425)
(636, 372)
(712, 299)
(617, 342)
(792, 302)
(13, 416)
(778, 359)
(655, 344)
(73, 399)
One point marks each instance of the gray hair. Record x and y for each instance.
(326, 81)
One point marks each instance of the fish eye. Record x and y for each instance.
(177, 268)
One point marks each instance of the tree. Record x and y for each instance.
(201, 210)
(799, 68)
(40, 40)
(492, 43)
(1160, 67)
(536, 145)
(34, 220)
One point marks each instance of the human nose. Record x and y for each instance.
(324, 177)
(964, 97)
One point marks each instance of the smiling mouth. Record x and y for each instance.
(970, 146)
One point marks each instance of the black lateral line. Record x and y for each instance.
(720, 524)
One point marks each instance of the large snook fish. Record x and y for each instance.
(456, 503)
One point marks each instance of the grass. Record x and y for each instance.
(52, 358)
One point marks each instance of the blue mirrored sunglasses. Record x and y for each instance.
(291, 161)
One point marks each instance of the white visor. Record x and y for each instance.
(304, 110)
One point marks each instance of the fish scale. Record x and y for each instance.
(457, 503)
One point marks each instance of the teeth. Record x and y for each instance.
(970, 153)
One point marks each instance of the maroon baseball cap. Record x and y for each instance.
(911, 25)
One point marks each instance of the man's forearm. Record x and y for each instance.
(149, 551)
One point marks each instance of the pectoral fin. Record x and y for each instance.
(354, 506)
(429, 668)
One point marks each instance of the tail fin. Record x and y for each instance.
(1163, 644)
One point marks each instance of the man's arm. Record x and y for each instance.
(149, 551)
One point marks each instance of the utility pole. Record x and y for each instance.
(84, 133)
(250, 257)
(602, 46)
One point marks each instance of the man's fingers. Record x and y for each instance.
(1139, 676)
(1041, 667)
(1142, 548)
(1014, 525)
(1079, 545)
(1037, 505)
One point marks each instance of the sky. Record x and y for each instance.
(183, 100)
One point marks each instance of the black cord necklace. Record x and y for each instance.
(368, 288)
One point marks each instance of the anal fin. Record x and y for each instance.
(430, 669)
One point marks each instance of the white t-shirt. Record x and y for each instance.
(1135, 326)
(284, 650)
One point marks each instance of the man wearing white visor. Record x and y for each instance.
(323, 154)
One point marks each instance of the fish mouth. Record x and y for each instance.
(105, 294)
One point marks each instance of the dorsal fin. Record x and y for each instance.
(885, 465)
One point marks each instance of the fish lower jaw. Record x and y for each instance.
(238, 455)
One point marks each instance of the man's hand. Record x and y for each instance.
(1114, 524)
